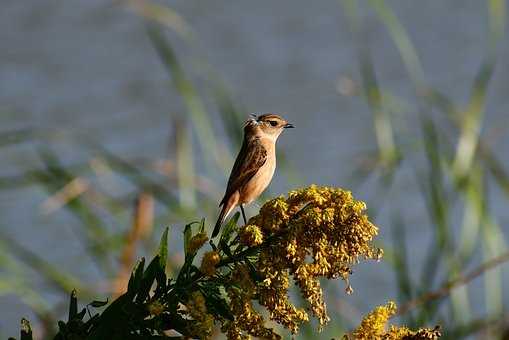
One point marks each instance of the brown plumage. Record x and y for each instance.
(255, 164)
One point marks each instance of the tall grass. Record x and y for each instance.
(457, 177)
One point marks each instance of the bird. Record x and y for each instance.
(254, 166)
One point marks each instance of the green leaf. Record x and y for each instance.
(202, 225)
(189, 257)
(228, 229)
(148, 279)
(97, 304)
(81, 314)
(113, 321)
(136, 277)
(73, 306)
(161, 271)
(163, 250)
(188, 233)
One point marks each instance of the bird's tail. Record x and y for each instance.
(220, 219)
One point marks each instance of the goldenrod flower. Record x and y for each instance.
(273, 214)
(251, 235)
(208, 263)
(373, 327)
(247, 320)
(196, 242)
(403, 333)
(319, 232)
(203, 323)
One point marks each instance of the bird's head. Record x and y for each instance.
(268, 125)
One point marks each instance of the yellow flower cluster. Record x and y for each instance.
(196, 242)
(319, 232)
(208, 263)
(403, 333)
(247, 320)
(373, 327)
(251, 235)
(203, 322)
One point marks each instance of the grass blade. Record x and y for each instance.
(195, 107)
(403, 42)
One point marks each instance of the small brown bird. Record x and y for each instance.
(254, 166)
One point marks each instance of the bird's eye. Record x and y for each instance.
(272, 122)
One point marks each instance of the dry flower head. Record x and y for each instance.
(316, 232)
(374, 327)
(196, 242)
(248, 321)
(208, 263)
(203, 322)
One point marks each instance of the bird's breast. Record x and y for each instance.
(259, 182)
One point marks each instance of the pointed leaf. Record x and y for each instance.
(148, 279)
(228, 229)
(136, 276)
(81, 314)
(187, 237)
(163, 250)
(189, 256)
(73, 306)
(202, 225)
(97, 304)
(113, 320)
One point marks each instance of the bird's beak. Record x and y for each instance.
(289, 126)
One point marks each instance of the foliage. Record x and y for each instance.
(314, 232)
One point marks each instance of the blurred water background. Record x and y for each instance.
(403, 102)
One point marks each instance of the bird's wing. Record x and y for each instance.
(250, 159)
